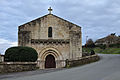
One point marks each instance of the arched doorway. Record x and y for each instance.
(50, 61)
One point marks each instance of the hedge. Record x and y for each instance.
(21, 54)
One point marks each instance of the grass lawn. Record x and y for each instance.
(104, 51)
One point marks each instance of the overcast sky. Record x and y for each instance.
(98, 18)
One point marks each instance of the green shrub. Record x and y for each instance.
(117, 45)
(102, 46)
(21, 54)
(98, 50)
(92, 52)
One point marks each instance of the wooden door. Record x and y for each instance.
(50, 62)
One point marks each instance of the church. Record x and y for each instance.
(54, 39)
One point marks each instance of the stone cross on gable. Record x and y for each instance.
(50, 10)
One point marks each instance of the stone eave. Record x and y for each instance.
(47, 15)
(67, 21)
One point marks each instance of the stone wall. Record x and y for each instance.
(81, 61)
(1, 58)
(7, 67)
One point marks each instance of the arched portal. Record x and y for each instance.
(50, 61)
(44, 55)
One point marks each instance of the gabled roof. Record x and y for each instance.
(52, 15)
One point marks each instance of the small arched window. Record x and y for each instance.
(50, 32)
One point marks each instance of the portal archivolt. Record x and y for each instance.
(50, 55)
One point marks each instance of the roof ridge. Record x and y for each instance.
(47, 15)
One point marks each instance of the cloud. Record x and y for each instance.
(98, 18)
(14, 44)
(5, 44)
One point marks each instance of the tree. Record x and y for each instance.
(90, 43)
(21, 54)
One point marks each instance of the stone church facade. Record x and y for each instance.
(54, 39)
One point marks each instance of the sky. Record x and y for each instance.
(98, 18)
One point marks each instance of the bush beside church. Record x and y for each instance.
(21, 54)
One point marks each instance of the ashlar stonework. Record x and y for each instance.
(54, 38)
